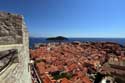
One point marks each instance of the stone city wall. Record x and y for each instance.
(13, 35)
(10, 28)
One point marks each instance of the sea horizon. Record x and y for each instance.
(34, 40)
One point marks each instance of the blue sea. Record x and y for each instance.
(43, 40)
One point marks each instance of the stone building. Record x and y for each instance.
(14, 49)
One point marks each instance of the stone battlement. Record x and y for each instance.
(10, 28)
(14, 49)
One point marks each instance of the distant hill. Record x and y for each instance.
(58, 38)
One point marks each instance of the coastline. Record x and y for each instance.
(121, 41)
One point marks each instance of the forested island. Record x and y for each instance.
(58, 38)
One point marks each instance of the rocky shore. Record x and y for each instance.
(78, 62)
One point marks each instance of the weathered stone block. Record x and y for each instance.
(10, 28)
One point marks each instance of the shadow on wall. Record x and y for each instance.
(7, 58)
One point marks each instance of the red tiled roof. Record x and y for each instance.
(41, 67)
(46, 79)
(86, 80)
(64, 80)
